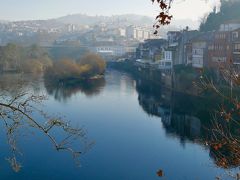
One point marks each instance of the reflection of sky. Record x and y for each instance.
(129, 143)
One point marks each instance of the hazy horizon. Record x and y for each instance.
(13, 10)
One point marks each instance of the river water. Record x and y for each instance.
(137, 129)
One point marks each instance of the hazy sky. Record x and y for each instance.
(45, 9)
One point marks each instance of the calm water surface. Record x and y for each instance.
(137, 128)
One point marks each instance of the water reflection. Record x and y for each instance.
(189, 119)
(184, 118)
(21, 115)
(179, 117)
(65, 90)
(15, 83)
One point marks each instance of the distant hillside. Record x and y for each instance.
(130, 19)
(117, 20)
(229, 11)
(82, 19)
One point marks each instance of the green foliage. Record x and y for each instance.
(229, 11)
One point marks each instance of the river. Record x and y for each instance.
(137, 130)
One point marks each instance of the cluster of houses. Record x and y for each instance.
(192, 48)
(117, 41)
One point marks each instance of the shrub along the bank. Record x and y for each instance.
(33, 59)
(87, 67)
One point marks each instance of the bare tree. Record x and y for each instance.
(224, 138)
(18, 111)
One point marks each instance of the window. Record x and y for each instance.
(219, 59)
(198, 51)
(211, 47)
(237, 47)
(235, 35)
(168, 55)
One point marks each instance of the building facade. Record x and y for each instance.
(219, 49)
(235, 35)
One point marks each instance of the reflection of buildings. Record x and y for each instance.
(186, 127)
(64, 91)
(183, 117)
(177, 118)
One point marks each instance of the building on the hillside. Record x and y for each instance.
(199, 47)
(173, 37)
(151, 49)
(71, 27)
(167, 62)
(182, 57)
(188, 53)
(235, 35)
(178, 41)
(230, 25)
(219, 49)
(138, 33)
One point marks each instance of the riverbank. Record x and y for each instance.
(177, 80)
(182, 79)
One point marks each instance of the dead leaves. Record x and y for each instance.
(163, 18)
(160, 173)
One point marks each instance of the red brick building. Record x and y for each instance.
(235, 35)
(220, 49)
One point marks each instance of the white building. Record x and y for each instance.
(107, 51)
(198, 54)
(122, 32)
(167, 62)
(138, 33)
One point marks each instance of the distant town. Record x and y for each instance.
(122, 38)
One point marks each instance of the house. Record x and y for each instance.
(230, 25)
(219, 50)
(151, 49)
(167, 62)
(199, 46)
(139, 33)
(179, 43)
(183, 46)
(235, 36)
(173, 37)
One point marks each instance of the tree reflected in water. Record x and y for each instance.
(62, 91)
(20, 108)
(190, 119)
